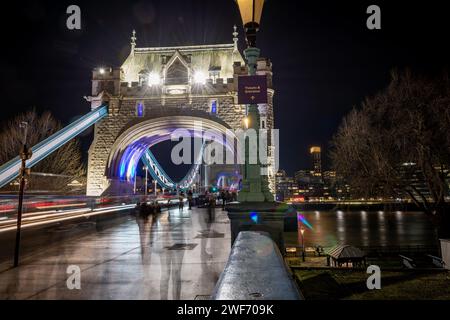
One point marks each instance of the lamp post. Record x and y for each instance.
(146, 179)
(302, 231)
(25, 154)
(155, 182)
(255, 188)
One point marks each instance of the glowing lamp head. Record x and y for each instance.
(199, 77)
(154, 79)
(302, 230)
(101, 70)
(251, 12)
(246, 122)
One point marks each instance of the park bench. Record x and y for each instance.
(310, 250)
(438, 262)
(407, 262)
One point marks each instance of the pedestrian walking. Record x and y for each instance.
(181, 202)
(190, 198)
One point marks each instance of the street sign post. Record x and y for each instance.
(252, 89)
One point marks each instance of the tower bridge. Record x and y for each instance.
(157, 91)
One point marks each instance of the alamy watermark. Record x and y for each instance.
(241, 146)
(74, 280)
(374, 20)
(73, 22)
(374, 280)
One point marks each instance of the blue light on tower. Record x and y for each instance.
(214, 107)
(140, 110)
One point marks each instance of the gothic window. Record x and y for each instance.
(214, 73)
(263, 123)
(143, 77)
(177, 73)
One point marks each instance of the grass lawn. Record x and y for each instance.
(329, 284)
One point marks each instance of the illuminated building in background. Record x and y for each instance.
(317, 185)
(316, 161)
(286, 187)
(302, 175)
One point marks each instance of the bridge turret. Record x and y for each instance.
(106, 79)
(264, 67)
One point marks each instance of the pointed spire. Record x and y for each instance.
(133, 41)
(235, 38)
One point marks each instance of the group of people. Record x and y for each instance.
(148, 208)
(223, 197)
(210, 198)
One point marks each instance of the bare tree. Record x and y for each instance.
(64, 164)
(398, 143)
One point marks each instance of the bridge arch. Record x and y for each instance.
(142, 133)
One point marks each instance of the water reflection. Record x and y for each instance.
(364, 229)
(361, 228)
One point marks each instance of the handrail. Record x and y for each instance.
(10, 170)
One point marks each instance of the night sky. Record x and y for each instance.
(325, 59)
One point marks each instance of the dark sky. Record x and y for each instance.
(325, 59)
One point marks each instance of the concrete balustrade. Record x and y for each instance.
(255, 271)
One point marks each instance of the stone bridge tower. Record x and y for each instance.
(200, 78)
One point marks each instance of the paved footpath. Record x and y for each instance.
(176, 255)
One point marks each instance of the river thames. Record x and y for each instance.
(367, 228)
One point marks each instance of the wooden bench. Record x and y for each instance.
(407, 262)
(310, 250)
(438, 262)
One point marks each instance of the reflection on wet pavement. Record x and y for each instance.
(174, 255)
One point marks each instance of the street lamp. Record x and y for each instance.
(255, 188)
(25, 154)
(302, 231)
(146, 178)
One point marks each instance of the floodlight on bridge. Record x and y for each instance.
(199, 77)
(154, 79)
